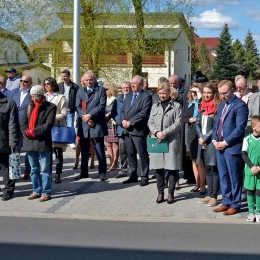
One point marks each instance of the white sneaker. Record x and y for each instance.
(251, 217)
(257, 217)
(73, 146)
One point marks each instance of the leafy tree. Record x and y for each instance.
(251, 55)
(194, 58)
(34, 19)
(224, 66)
(239, 57)
(205, 64)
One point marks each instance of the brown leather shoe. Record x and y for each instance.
(221, 209)
(231, 211)
(26, 176)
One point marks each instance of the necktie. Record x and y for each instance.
(220, 125)
(241, 97)
(133, 99)
(89, 92)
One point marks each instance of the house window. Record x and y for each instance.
(188, 53)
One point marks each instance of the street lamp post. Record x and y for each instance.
(76, 42)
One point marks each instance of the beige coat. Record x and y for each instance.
(169, 122)
(246, 97)
(61, 115)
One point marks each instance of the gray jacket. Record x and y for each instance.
(13, 83)
(253, 106)
(169, 122)
(9, 124)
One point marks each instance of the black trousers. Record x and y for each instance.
(58, 151)
(212, 178)
(137, 145)
(100, 152)
(9, 185)
(160, 180)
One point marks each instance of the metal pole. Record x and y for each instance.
(76, 42)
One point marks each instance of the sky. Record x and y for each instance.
(240, 15)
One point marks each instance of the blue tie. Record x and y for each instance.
(133, 99)
(89, 92)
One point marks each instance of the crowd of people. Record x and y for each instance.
(212, 131)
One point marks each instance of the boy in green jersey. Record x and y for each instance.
(251, 156)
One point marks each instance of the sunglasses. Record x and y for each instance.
(47, 84)
(24, 81)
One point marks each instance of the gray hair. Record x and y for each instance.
(238, 77)
(162, 80)
(140, 79)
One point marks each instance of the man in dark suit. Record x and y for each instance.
(134, 116)
(22, 98)
(115, 114)
(90, 103)
(227, 137)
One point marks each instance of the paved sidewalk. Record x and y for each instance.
(111, 200)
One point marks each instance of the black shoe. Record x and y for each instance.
(102, 177)
(57, 178)
(153, 177)
(160, 198)
(130, 180)
(202, 192)
(195, 189)
(170, 199)
(145, 183)
(121, 175)
(80, 176)
(6, 197)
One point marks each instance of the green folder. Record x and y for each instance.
(154, 147)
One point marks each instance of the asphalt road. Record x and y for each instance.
(41, 239)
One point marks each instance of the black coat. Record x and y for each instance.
(45, 121)
(96, 104)
(9, 124)
(72, 95)
(137, 114)
(210, 151)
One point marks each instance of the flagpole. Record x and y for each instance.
(76, 42)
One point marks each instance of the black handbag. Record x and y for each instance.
(63, 134)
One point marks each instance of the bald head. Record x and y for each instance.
(173, 79)
(25, 82)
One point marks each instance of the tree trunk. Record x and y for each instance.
(139, 52)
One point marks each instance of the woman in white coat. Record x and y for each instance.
(165, 123)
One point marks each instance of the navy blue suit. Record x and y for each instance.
(229, 161)
(115, 114)
(135, 135)
(96, 103)
(15, 95)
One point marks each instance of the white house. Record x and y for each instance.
(169, 38)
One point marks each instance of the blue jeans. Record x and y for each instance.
(40, 172)
(70, 119)
(26, 161)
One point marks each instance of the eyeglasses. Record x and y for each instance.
(24, 81)
(47, 84)
(223, 93)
